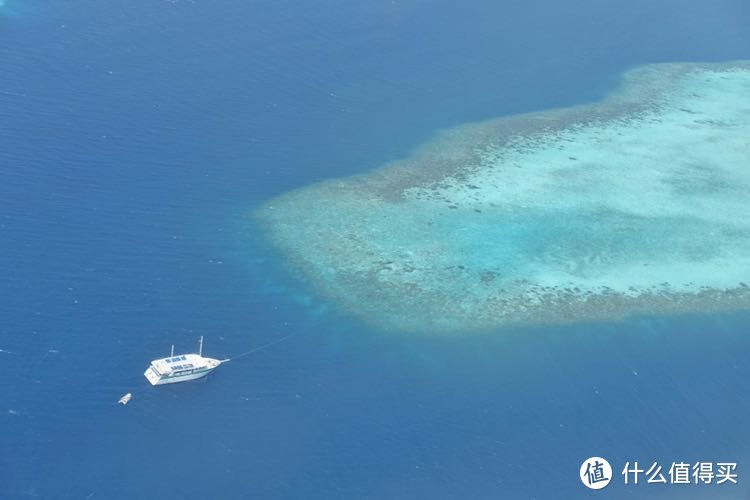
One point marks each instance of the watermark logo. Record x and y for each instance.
(596, 473)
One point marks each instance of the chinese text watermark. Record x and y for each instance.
(596, 473)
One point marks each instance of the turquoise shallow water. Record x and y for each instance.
(633, 204)
(136, 141)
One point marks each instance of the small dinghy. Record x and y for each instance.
(125, 399)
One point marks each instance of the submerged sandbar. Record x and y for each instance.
(639, 203)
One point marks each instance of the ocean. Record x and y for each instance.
(136, 141)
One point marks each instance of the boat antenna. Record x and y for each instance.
(172, 352)
(200, 347)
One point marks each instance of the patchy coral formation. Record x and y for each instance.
(636, 204)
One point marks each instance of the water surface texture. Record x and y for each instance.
(140, 139)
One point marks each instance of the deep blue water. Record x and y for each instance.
(135, 140)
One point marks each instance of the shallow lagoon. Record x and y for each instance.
(635, 204)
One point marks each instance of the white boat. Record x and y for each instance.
(181, 368)
(125, 399)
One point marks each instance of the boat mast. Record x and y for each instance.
(200, 347)
(172, 352)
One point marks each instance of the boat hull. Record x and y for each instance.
(155, 379)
